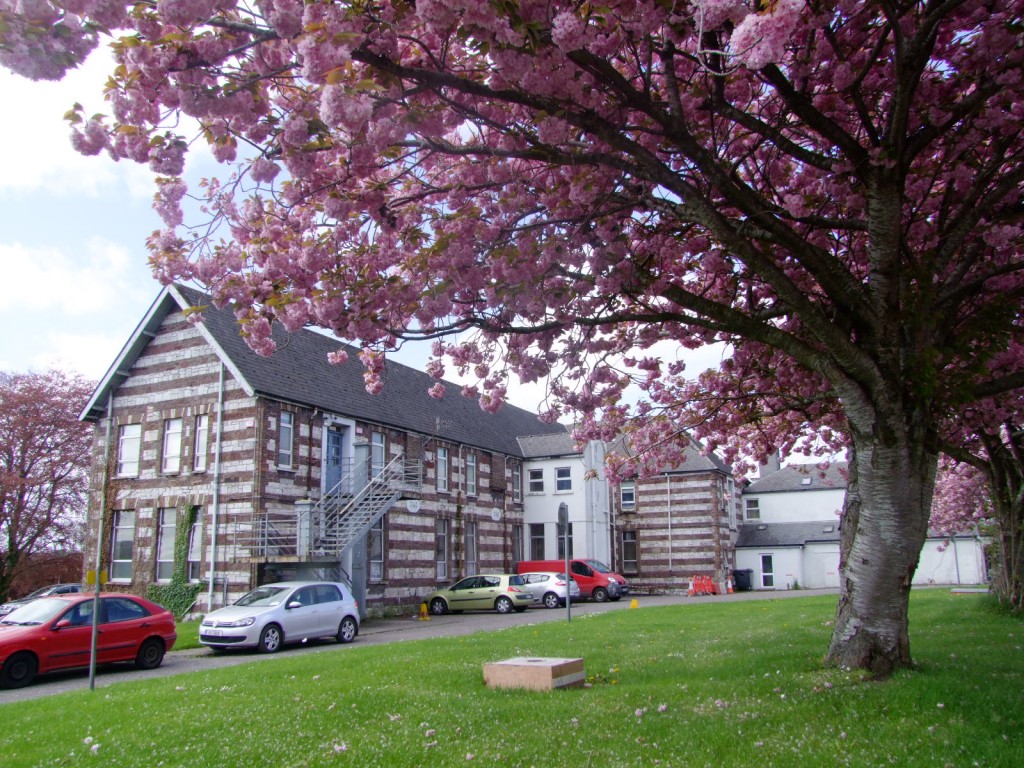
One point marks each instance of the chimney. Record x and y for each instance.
(770, 465)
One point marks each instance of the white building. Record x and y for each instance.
(790, 537)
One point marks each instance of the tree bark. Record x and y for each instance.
(883, 528)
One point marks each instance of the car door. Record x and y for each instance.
(487, 592)
(331, 609)
(584, 576)
(301, 616)
(69, 644)
(463, 593)
(120, 630)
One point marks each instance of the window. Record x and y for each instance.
(195, 548)
(536, 541)
(122, 545)
(753, 509)
(471, 474)
(442, 469)
(129, 441)
(375, 550)
(627, 495)
(517, 543)
(114, 609)
(199, 447)
(441, 548)
(172, 447)
(167, 525)
(517, 483)
(535, 481)
(471, 546)
(378, 452)
(767, 572)
(285, 438)
(561, 540)
(563, 479)
(629, 552)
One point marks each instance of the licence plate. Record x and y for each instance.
(214, 632)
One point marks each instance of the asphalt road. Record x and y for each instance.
(372, 632)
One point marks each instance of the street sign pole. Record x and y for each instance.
(563, 520)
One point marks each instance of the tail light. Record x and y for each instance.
(514, 589)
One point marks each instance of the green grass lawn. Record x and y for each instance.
(702, 684)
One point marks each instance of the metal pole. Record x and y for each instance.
(563, 520)
(99, 544)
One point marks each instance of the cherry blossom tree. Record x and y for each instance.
(44, 462)
(566, 190)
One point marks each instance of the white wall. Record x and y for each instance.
(799, 506)
(588, 508)
(961, 561)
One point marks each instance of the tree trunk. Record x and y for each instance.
(883, 528)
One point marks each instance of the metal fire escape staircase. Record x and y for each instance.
(327, 529)
(347, 512)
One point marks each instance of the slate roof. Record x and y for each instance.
(544, 446)
(764, 535)
(298, 372)
(695, 461)
(792, 476)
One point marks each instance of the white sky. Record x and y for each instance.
(72, 238)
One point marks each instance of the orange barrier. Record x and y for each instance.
(702, 585)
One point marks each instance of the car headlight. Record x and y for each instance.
(612, 581)
(248, 621)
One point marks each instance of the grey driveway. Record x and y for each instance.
(373, 632)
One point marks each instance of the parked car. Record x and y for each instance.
(52, 589)
(502, 592)
(55, 632)
(284, 612)
(550, 589)
(597, 581)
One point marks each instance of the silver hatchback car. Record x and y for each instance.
(549, 589)
(284, 612)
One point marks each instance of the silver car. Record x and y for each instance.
(284, 612)
(549, 588)
(53, 589)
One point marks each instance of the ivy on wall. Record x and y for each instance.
(179, 594)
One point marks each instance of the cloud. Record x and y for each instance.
(47, 279)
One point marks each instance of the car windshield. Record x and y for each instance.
(263, 596)
(36, 612)
(516, 580)
(598, 566)
(37, 593)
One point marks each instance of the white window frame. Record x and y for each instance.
(537, 537)
(202, 435)
(563, 479)
(630, 541)
(166, 533)
(559, 529)
(375, 550)
(627, 495)
(441, 548)
(122, 542)
(170, 456)
(378, 453)
(471, 474)
(286, 440)
(535, 480)
(195, 548)
(517, 483)
(752, 509)
(129, 447)
(472, 543)
(767, 574)
(442, 469)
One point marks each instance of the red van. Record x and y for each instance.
(597, 581)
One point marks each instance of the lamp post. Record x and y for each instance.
(563, 520)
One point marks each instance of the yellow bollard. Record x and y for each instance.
(634, 603)
(424, 615)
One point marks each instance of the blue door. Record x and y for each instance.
(334, 458)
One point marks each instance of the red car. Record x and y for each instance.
(54, 633)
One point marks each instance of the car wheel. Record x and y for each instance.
(551, 600)
(503, 605)
(438, 607)
(600, 594)
(347, 630)
(270, 639)
(150, 655)
(18, 671)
